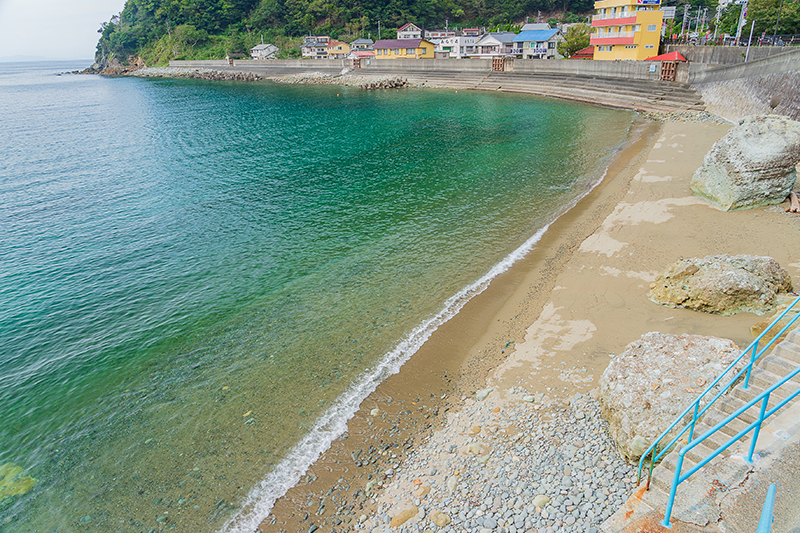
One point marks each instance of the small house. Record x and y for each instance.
(497, 43)
(361, 44)
(409, 31)
(264, 51)
(315, 47)
(338, 50)
(403, 49)
(538, 44)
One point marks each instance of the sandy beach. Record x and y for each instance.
(539, 337)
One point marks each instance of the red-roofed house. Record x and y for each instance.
(338, 50)
(409, 31)
(403, 49)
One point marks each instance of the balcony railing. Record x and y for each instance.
(622, 15)
(612, 35)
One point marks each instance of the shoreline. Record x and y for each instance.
(453, 363)
(544, 329)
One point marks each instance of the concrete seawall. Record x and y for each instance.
(728, 90)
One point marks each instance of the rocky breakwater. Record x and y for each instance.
(647, 386)
(350, 80)
(390, 83)
(195, 73)
(722, 284)
(508, 462)
(752, 166)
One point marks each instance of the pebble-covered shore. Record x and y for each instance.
(512, 466)
(685, 116)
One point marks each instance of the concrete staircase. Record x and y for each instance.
(727, 494)
(644, 95)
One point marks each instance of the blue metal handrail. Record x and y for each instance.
(694, 408)
(765, 524)
(754, 426)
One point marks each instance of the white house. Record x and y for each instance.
(264, 51)
(539, 44)
(497, 43)
(458, 47)
(409, 31)
(362, 44)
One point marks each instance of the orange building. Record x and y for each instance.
(626, 29)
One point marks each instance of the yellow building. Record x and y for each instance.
(628, 30)
(403, 49)
(338, 50)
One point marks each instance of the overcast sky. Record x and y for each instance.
(53, 29)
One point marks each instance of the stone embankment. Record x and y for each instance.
(525, 464)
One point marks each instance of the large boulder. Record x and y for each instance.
(722, 284)
(752, 165)
(647, 386)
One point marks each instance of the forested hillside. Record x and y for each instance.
(160, 30)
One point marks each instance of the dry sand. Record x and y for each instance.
(551, 323)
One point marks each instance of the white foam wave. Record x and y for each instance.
(333, 423)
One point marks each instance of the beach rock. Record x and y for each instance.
(753, 165)
(482, 394)
(647, 386)
(11, 483)
(541, 500)
(722, 284)
(439, 518)
(403, 516)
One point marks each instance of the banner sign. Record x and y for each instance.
(648, 2)
(669, 12)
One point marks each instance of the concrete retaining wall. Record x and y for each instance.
(748, 89)
(724, 55)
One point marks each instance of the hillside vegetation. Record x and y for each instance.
(160, 30)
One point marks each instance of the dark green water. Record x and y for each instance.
(199, 282)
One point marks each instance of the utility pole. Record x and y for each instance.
(776, 23)
(379, 30)
(686, 8)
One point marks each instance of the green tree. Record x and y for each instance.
(577, 38)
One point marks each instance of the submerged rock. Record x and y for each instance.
(722, 284)
(11, 483)
(647, 386)
(753, 165)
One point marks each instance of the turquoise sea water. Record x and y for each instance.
(199, 281)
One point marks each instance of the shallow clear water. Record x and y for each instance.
(196, 276)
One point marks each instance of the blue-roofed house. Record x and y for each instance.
(539, 44)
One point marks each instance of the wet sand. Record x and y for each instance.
(550, 324)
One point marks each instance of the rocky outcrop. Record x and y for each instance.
(647, 386)
(112, 67)
(722, 284)
(753, 165)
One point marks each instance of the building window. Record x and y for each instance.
(637, 27)
(410, 51)
(648, 46)
(651, 27)
(396, 51)
(551, 45)
(630, 46)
